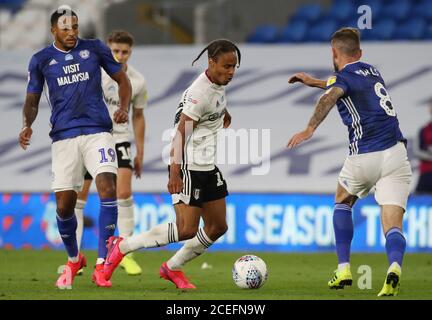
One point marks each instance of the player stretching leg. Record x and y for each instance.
(377, 153)
(120, 43)
(196, 184)
(80, 132)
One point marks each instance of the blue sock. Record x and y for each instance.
(107, 223)
(395, 245)
(344, 231)
(67, 229)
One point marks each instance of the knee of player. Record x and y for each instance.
(218, 230)
(65, 212)
(123, 194)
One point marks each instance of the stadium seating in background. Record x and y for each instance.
(308, 13)
(411, 30)
(12, 5)
(294, 32)
(322, 30)
(264, 34)
(34, 15)
(391, 20)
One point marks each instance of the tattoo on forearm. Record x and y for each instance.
(30, 109)
(324, 105)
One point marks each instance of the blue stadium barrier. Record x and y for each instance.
(257, 222)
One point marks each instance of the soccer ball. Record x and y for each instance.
(249, 272)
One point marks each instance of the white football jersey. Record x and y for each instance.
(204, 102)
(121, 131)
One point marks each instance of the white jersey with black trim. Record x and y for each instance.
(121, 131)
(204, 102)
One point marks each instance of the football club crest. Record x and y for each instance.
(68, 57)
(85, 54)
(196, 193)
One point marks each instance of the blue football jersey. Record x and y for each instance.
(73, 81)
(366, 108)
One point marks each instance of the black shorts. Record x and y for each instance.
(200, 187)
(424, 184)
(124, 160)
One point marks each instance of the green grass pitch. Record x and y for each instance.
(31, 274)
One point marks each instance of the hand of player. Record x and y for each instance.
(121, 116)
(227, 120)
(24, 137)
(138, 162)
(301, 77)
(175, 182)
(300, 137)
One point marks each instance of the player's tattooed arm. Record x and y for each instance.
(323, 107)
(30, 110)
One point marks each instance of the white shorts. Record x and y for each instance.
(389, 171)
(71, 158)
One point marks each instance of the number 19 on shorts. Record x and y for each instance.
(111, 154)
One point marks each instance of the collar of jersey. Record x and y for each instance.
(213, 85)
(76, 45)
(348, 64)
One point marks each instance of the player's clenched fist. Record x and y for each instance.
(175, 184)
(301, 77)
(24, 137)
(121, 116)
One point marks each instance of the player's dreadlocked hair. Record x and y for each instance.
(217, 47)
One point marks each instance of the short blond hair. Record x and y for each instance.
(121, 36)
(347, 40)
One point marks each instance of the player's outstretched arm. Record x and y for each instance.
(308, 80)
(124, 92)
(30, 111)
(184, 130)
(138, 122)
(322, 109)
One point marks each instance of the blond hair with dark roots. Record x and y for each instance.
(347, 40)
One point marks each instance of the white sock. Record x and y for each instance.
(79, 213)
(73, 259)
(343, 265)
(125, 220)
(157, 236)
(394, 265)
(191, 249)
(100, 260)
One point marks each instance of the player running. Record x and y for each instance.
(377, 153)
(120, 43)
(80, 133)
(195, 183)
